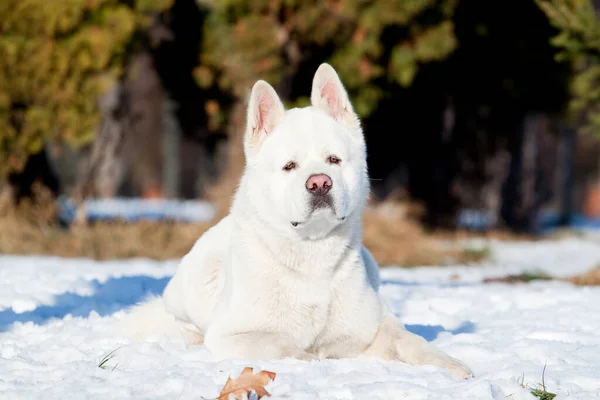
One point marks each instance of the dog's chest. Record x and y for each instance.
(302, 304)
(307, 290)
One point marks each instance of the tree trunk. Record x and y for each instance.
(128, 152)
(104, 168)
(171, 149)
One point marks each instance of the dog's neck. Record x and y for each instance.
(295, 252)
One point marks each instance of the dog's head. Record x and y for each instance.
(306, 169)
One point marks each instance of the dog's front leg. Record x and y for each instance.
(255, 346)
(393, 342)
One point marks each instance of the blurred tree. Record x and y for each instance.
(579, 42)
(373, 46)
(450, 81)
(504, 84)
(56, 59)
(364, 40)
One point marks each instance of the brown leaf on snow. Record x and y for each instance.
(245, 383)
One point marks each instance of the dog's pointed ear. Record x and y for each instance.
(328, 94)
(265, 111)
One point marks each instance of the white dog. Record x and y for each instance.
(285, 274)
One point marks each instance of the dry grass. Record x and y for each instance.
(523, 277)
(104, 240)
(395, 238)
(390, 232)
(101, 241)
(499, 235)
(591, 278)
(30, 229)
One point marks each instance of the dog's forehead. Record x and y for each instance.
(305, 127)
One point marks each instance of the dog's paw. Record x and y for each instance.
(305, 356)
(458, 369)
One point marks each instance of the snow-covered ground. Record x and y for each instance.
(57, 315)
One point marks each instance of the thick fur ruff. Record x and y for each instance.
(285, 274)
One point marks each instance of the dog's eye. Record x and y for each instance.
(289, 166)
(334, 160)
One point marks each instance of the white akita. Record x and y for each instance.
(285, 274)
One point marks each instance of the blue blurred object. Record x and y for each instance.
(545, 221)
(474, 219)
(549, 221)
(134, 209)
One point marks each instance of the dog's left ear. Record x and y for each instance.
(328, 94)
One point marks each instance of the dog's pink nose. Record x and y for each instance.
(318, 184)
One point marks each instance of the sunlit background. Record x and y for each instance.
(121, 126)
(121, 121)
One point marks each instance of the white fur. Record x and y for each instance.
(257, 287)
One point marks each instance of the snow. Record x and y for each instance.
(560, 259)
(57, 318)
(133, 209)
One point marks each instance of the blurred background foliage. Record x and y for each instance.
(579, 43)
(56, 59)
(366, 42)
(465, 104)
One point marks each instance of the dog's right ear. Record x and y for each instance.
(265, 112)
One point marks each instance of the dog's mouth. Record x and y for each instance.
(297, 223)
(319, 203)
